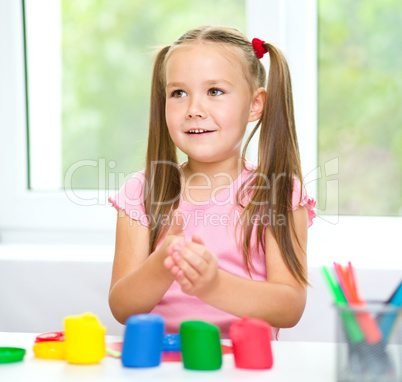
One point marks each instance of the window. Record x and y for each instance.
(79, 126)
(91, 78)
(359, 98)
(70, 119)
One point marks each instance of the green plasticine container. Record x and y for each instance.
(9, 354)
(200, 345)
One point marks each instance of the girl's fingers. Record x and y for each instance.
(176, 224)
(189, 272)
(185, 283)
(197, 246)
(189, 262)
(193, 260)
(168, 262)
(199, 249)
(176, 271)
(197, 239)
(179, 275)
(176, 246)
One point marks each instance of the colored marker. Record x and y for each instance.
(394, 293)
(363, 357)
(388, 320)
(367, 322)
(352, 280)
(352, 327)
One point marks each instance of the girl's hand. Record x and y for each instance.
(194, 266)
(174, 234)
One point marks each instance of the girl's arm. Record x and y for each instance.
(139, 279)
(280, 300)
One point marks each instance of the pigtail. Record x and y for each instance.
(278, 165)
(161, 172)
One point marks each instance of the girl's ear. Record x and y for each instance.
(257, 104)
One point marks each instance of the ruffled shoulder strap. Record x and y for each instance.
(300, 199)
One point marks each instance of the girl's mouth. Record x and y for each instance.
(198, 131)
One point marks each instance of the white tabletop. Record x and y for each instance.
(293, 361)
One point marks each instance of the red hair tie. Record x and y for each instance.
(259, 47)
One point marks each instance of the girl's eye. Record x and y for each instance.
(178, 94)
(215, 92)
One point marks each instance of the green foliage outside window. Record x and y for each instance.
(108, 49)
(359, 103)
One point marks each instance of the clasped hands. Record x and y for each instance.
(190, 262)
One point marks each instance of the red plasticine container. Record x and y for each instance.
(51, 336)
(251, 338)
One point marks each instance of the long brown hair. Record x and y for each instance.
(278, 153)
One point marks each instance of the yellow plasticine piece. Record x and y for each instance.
(85, 339)
(50, 350)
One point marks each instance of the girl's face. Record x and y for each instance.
(208, 102)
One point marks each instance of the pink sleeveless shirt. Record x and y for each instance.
(214, 220)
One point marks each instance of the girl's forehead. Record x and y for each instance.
(204, 54)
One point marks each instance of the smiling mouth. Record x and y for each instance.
(199, 131)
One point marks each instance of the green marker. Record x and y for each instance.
(113, 353)
(352, 327)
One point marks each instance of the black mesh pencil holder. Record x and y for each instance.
(369, 343)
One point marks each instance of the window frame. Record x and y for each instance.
(58, 217)
(27, 215)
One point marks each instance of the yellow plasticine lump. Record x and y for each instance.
(84, 338)
(50, 350)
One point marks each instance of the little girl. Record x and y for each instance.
(215, 238)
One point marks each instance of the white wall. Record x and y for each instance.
(38, 289)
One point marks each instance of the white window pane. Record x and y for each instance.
(43, 32)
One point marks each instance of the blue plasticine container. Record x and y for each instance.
(171, 342)
(143, 341)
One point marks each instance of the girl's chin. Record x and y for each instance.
(205, 158)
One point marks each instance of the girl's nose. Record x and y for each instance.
(195, 110)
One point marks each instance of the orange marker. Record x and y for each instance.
(368, 324)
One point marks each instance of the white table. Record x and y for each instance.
(293, 361)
